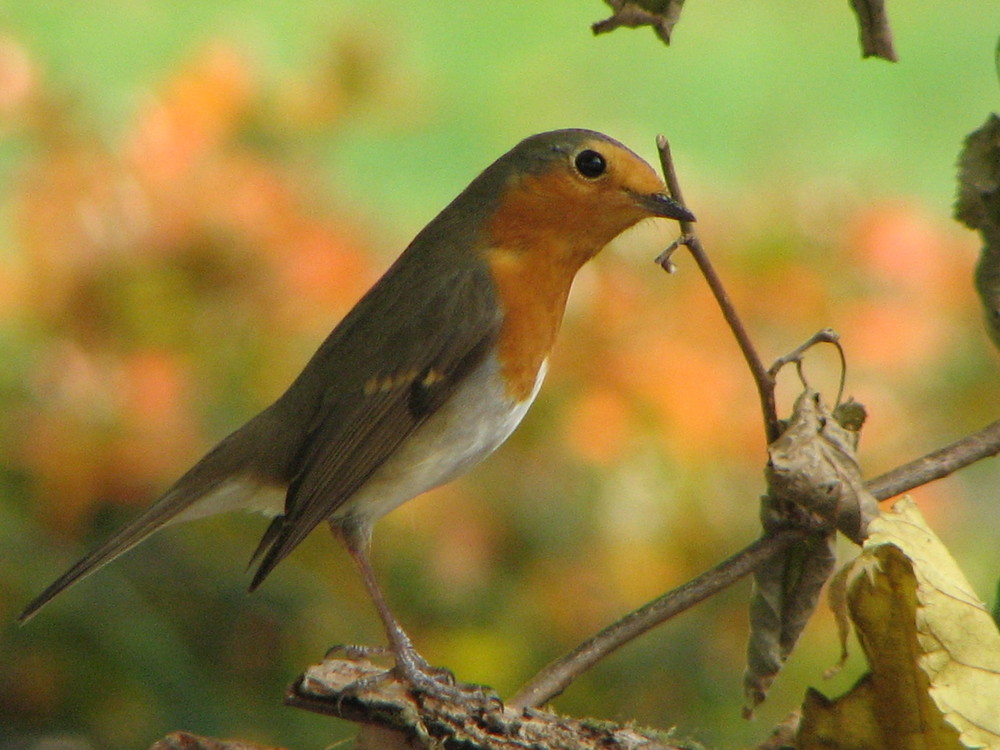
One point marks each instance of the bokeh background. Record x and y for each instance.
(192, 194)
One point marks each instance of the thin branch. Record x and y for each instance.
(826, 336)
(938, 464)
(558, 675)
(761, 377)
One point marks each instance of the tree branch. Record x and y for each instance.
(937, 464)
(557, 676)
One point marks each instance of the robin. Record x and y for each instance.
(428, 374)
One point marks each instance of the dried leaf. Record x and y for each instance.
(873, 25)
(851, 415)
(786, 591)
(978, 207)
(813, 466)
(814, 481)
(661, 15)
(933, 649)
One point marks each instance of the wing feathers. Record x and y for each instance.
(355, 433)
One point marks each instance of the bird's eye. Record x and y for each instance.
(590, 164)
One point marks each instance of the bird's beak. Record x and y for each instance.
(661, 204)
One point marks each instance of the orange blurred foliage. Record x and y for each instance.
(142, 260)
(919, 278)
(599, 425)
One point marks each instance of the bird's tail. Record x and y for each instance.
(218, 483)
(160, 514)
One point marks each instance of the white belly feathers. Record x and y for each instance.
(465, 430)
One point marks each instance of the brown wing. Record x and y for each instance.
(395, 362)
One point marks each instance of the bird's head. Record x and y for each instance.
(571, 192)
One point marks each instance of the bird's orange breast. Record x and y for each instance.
(533, 294)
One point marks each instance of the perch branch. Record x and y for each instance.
(337, 688)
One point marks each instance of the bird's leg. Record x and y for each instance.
(410, 665)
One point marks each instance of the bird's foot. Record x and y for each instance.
(421, 678)
(410, 665)
(440, 684)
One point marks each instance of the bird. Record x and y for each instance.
(427, 374)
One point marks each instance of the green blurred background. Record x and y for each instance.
(193, 193)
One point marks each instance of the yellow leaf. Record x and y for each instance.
(933, 649)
